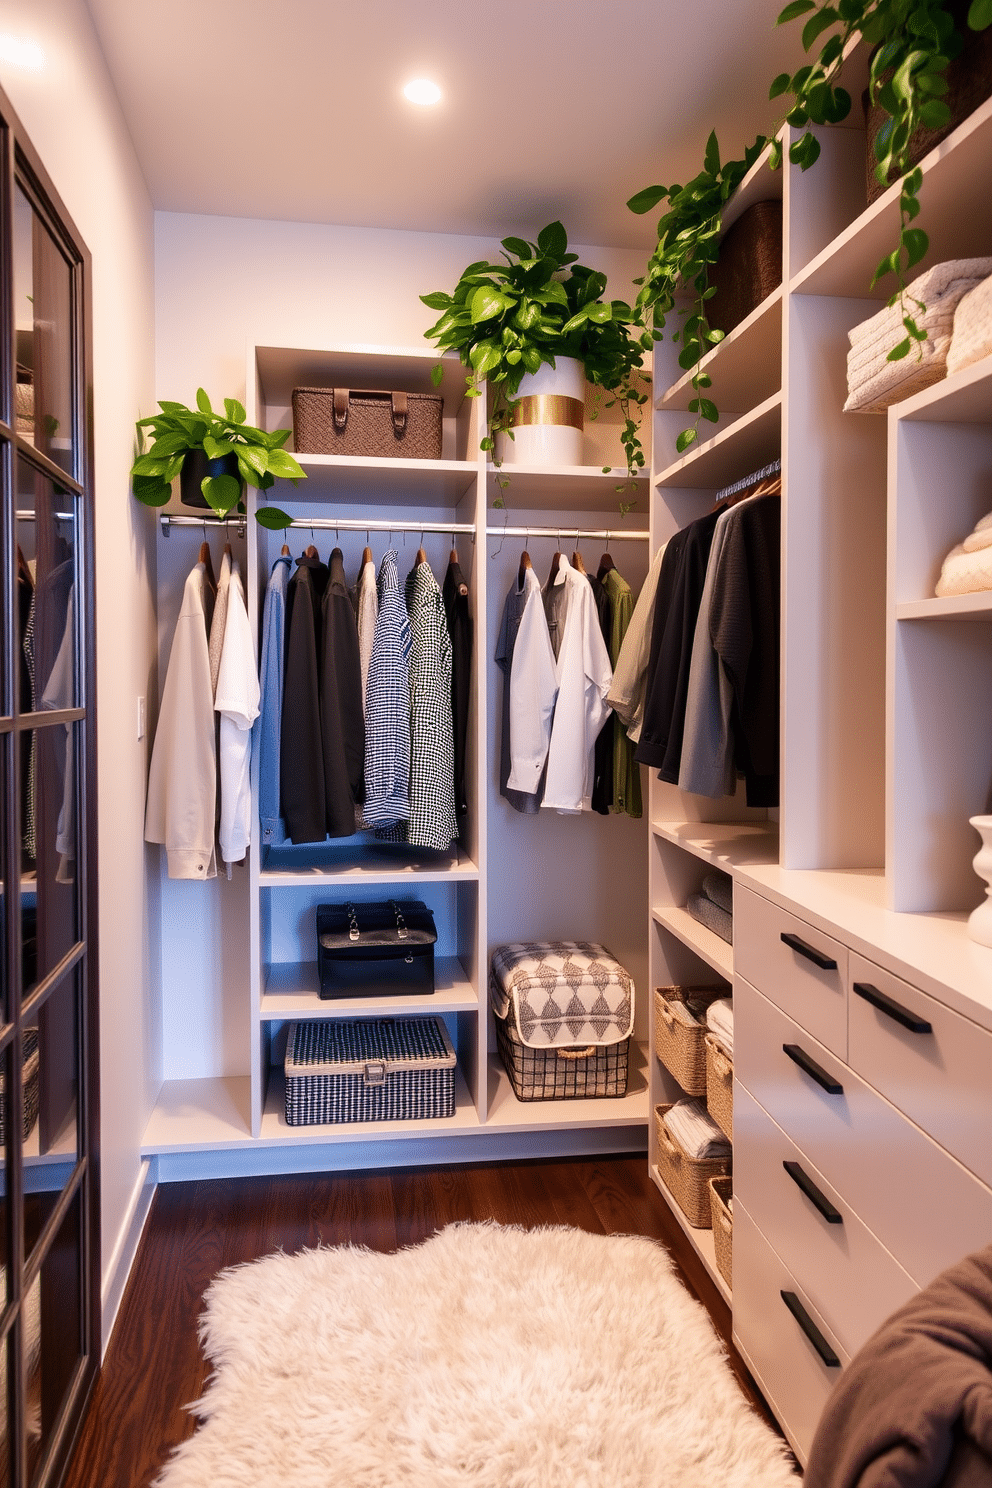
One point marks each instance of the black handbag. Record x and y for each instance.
(376, 950)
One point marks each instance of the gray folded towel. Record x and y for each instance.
(712, 916)
(720, 888)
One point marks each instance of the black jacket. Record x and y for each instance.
(301, 763)
(342, 721)
(455, 594)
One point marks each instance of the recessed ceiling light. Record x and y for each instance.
(21, 53)
(422, 91)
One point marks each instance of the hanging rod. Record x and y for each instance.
(237, 521)
(568, 529)
(330, 524)
(30, 516)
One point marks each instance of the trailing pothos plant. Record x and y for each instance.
(508, 319)
(179, 431)
(914, 42)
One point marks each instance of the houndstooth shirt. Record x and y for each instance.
(432, 765)
(387, 707)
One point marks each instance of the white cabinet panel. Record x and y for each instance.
(793, 963)
(929, 1061)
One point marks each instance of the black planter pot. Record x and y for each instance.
(196, 468)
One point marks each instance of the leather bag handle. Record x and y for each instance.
(399, 403)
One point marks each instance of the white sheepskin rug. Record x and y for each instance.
(487, 1357)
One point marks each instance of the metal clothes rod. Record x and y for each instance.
(569, 530)
(329, 524)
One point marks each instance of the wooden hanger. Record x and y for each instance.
(453, 555)
(577, 562)
(367, 556)
(311, 552)
(285, 551)
(421, 556)
(555, 565)
(207, 562)
(228, 550)
(525, 564)
(605, 565)
(23, 572)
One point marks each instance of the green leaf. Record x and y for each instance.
(796, 8)
(709, 410)
(485, 357)
(818, 23)
(217, 449)
(221, 491)
(272, 518)
(150, 491)
(553, 240)
(203, 402)
(235, 411)
(149, 465)
(599, 314)
(779, 85)
(711, 159)
(518, 246)
(437, 375)
(283, 464)
(916, 243)
(437, 300)
(643, 201)
(687, 437)
(487, 304)
(980, 14)
(255, 460)
(898, 352)
(172, 408)
(935, 113)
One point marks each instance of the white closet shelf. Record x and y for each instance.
(200, 1115)
(379, 480)
(700, 1240)
(292, 991)
(277, 1132)
(506, 1113)
(748, 443)
(564, 487)
(699, 938)
(398, 368)
(726, 845)
(952, 607)
(346, 867)
(760, 184)
(957, 176)
(964, 398)
(746, 366)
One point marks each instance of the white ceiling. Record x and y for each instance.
(293, 110)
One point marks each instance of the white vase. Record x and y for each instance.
(980, 919)
(548, 419)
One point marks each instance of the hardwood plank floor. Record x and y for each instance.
(154, 1367)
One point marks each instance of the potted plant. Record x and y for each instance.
(213, 455)
(542, 311)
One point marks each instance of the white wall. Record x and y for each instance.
(220, 284)
(71, 113)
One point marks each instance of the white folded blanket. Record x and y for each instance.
(967, 569)
(693, 1129)
(720, 1023)
(972, 336)
(873, 381)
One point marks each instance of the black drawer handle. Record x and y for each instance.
(820, 1201)
(891, 1008)
(815, 1071)
(825, 963)
(812, 1332)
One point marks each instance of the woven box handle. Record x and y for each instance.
(342, 400)
(576, 1053)
(675, 1153)
(723, 1066)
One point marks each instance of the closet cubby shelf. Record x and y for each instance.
(200, 1115)
(380, 480)
(952, 607)
(707, 945)
(957, 176)
(749, 442)
(726, 845)
(563, 487)
(963, 398)
(745, 366)
(700, 1240)
(507, 1113)
(280, 369)
(276, 1130)
(291, 990)
(355, 868)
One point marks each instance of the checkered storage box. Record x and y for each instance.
(368, 1069)
(564, 1014)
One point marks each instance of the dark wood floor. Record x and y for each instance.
(154, 1367)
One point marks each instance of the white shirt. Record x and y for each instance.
(182, 781)
(237, 703)
(533, 690)
(584, 677)
(366, 612)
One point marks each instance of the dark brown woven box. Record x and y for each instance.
(749, 266)
(367, 421)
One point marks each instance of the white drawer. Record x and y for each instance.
(806, 974)
(785, 1360)
(927, 1210)
(848, 1276)
(938, 1069)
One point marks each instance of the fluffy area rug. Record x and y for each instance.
(487, 1357)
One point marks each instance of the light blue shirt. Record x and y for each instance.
(268, 725)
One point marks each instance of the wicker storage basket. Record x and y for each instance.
(561, 1074)
(338, 421)
(29, 1080)
(686, 1177)
(368, 1069)
(719, 1086)
(749, 266)
(678, 1043)
(723, 1225)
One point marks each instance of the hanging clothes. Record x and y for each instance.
(525, 587)
(236, 701)
(182, 779)
(626, 773)
(584, 677)
(432, 751)
(602, 754)
(533, 691)
(630, 677)
(219, 619)
(266, 730)
(707, 763)
(387, 707)
(301, 761)
(366, 610)
(342, 719)
(25, 703)
(555, 597)
(59, 693)
(455, 594)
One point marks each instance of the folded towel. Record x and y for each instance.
(720, 1023)
(693, 1129)
(980, 536)
(873, 381)
(719, 887)
(972, 336)
(712, 916)
(965, 573)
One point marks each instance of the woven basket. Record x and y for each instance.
(749, 266)
(680, 1045)
(562, 1074)
(29, 1079)
(719, 1086)
(686, 1177)
(369, 422)
(723, 1226)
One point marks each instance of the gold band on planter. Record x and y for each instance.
(549, 408)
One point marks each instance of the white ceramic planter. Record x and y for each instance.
(549, 417)
(980, 919)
